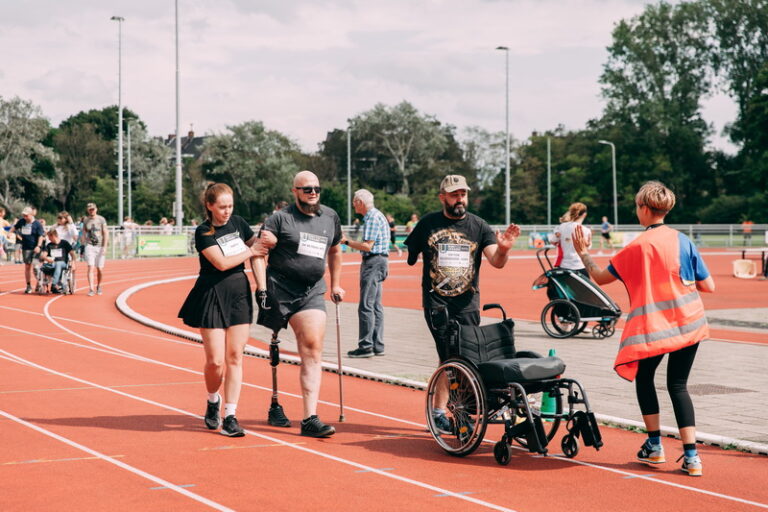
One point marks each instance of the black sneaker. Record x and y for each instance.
(313, 427)
(231, 427)
(212, 416)
(360, 352)
(277, 417)
(28, 289)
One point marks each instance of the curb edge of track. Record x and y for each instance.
(122, 305)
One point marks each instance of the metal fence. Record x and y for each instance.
(126, 244)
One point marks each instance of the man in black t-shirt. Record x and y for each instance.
(56, 255)
(308, 237)
(32, 237)
(452, 243)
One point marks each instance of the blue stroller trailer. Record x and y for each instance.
(574, 302)
(486, 381)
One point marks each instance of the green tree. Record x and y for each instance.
(259, 165)
(22, 131)
(83, 156)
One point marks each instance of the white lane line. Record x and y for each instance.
(106, 458)
(328, 456)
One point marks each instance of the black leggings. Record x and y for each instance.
(678, 369)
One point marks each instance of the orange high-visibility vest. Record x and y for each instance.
(666, 314)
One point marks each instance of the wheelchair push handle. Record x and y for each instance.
(496, 306)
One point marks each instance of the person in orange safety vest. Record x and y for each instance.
(663, 273)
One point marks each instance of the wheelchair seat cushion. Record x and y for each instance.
(520, 370)
(486, 342)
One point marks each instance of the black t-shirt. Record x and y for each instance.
(222, 237)
(302, 242)
(452, 251)
(30, 233)
(59, 251)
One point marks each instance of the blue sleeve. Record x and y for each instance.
(692, 266)
(614, 272)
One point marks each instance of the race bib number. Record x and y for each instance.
(56, 253)
(453, 255)
(26, 230)
(312, 245)
(232, 244)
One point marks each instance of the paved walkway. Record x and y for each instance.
(729, 382)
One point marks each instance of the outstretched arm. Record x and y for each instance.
(497, 253)
(580, 244)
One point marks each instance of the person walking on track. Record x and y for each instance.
(663, 274)
(452, 243)
(373, 272)
(308, 237)
(32, 236)
(220, 303)
(95, 238)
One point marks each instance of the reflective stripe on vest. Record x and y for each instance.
(663, 305)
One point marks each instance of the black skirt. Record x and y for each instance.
(218, 302)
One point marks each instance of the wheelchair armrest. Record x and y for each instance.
(528, 353)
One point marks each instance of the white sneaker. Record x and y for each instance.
(98, 290)
(91, 293)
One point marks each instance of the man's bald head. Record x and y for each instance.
(305, 179)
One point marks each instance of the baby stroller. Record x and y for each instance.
(486, 381)
(574, 301)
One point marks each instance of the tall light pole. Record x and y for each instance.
(349, 174)
(119, 20)
(549, 182)
(179, 214)
(615, 196)
(128, 181)
(506, 131)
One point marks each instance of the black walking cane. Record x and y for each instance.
(336, 300)
(276, 415)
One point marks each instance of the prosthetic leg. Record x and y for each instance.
(276, 416)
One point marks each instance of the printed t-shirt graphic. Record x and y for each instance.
(453, 270)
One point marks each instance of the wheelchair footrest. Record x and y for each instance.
(585, 424)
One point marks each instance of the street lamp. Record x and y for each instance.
(179, 213)
(119, 20)
(615, 200)
(349, 173)
(129, 182)
(506, 131)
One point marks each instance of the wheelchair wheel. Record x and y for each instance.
(570, 446)
(501, 452)
(550, 413)
(560, 319)
(461, 429)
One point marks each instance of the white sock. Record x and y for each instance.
(230, 409)
(213, 398)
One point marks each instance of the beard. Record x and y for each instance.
(309, 208)
(457, 210)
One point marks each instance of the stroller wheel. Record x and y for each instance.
(560, 319)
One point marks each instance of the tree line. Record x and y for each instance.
(660, 66)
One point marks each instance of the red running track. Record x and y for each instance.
(99, 412)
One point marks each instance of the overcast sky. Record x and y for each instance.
(304, 67)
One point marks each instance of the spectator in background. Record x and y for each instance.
(605, 234)
(165, 227)
(411, 223)
(32, 237)
(279, 206)
(5, 231)
(746, 229)
(393, 234)
(65, 227)
(129, 236)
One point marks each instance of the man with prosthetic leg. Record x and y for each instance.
(291, 290)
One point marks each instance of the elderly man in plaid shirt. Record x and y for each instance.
(373, 272)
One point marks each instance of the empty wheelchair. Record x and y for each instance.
(486, 381)
(574, 301)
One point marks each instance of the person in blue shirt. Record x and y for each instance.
(32, 237)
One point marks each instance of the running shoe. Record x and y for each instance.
(691, 465)
(379, 353)
(28, 289)
(231, 428)
(91, 293)
(651, 453)
(443, 423)
(98, 290)
(212, 414)
(313, 427)
(277, 417)
(360, 352)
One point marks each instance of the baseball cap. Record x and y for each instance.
(90, 205)
(27, 210)
(454, 182)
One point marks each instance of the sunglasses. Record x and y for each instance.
(309, 190)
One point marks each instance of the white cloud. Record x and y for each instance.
(303, 67)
